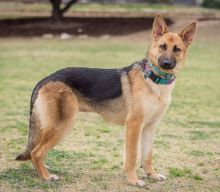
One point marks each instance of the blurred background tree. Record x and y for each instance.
(211, 4)
(59, 7)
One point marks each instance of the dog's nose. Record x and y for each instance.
(166, 64)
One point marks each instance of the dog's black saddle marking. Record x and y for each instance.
(95, 84)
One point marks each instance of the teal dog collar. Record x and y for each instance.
(158, 76)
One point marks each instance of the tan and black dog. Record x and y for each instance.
(136, 96)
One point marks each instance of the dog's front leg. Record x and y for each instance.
(147, 138)
(132, 136)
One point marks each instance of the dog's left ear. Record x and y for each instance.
(159, 27)
(187, 33)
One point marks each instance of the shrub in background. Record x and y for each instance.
(211, 4)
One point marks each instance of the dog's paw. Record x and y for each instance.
(158, 177)
(138, 183)
(52, 178)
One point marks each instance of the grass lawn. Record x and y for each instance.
(187, 144)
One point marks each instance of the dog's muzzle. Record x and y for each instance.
(167, 64)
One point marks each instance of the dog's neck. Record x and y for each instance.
(156, 75)
(162, 91)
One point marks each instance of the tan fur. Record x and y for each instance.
(140, 107)
(151, 100)
(55, 109)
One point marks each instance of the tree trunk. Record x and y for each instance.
(57, 13)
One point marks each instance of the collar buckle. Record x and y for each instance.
(157, 80)
(168, 76)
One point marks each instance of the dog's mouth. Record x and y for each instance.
(167, 64)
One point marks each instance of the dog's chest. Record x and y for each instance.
(156, 100)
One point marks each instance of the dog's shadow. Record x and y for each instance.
(60, 163)
(26, 177)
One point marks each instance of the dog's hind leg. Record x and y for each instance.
(56, 107)
(49, 139)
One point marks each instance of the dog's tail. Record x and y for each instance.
(32, 137)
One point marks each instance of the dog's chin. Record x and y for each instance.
(167, 70)
(169, 67)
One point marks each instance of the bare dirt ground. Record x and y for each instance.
(75, 26)
(124, 28)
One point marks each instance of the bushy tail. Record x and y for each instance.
(23, 156)
(26, 155)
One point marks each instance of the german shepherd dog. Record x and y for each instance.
(136, 96)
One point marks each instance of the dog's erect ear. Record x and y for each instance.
(159, 27)
(187, 33)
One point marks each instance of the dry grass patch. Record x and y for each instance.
(91, 156)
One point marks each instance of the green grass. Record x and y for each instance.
(91, 157)
(176, 172)
(45, 7)
(185, 172)
(197, 177)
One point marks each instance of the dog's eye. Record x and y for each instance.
(163, 47)
(176, 49)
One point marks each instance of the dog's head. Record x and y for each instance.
(168, 50)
